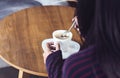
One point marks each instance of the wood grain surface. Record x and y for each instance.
(21, 35)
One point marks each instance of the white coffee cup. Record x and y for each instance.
(64, 41)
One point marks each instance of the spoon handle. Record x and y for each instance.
(71, 26)
(65, 33)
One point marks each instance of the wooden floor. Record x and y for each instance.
(10, 72)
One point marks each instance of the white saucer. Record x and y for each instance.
(73, 47)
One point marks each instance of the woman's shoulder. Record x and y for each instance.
(79, 64)
(82, 58)
(82, 65)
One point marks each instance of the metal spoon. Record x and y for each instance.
(67, 31)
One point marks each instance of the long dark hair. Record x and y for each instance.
(99, 23)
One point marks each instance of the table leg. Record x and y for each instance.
(20, 75)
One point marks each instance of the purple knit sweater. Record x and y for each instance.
(80, 65)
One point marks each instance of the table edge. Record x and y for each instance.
(23, 69)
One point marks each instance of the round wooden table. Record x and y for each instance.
(21, 35)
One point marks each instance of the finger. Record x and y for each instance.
(57, 46)
(52, 47)
(48, 46)
(73, 19)
(50, 43)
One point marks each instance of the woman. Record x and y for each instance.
(99, 24)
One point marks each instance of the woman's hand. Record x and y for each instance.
(50, 47)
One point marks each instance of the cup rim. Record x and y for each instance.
(53, 34)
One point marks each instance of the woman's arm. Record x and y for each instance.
(54, 64)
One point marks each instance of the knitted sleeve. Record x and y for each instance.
(54, 63)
